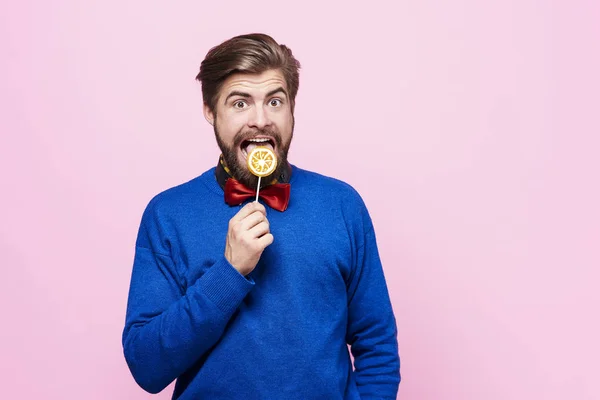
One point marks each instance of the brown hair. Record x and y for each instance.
(252, 54)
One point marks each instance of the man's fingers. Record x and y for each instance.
(265, 240)
(259, 229)
(251, 221)
(247, 210)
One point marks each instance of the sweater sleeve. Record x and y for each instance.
(168, 330)
(372, 332)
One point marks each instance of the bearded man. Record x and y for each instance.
(237, 300)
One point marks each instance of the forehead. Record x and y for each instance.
(253, 84)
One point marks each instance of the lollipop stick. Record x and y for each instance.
(257, 188)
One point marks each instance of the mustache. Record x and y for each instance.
(242, 136)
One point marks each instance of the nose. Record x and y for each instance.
(259, 118)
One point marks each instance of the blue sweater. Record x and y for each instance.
(282, 331)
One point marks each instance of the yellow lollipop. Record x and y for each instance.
(261, 161)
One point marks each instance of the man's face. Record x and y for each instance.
(251, 110)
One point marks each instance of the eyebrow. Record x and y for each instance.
(236, 93)
(278, 90)
(247, 95)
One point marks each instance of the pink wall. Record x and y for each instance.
(485, 117)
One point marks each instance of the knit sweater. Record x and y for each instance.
(282, 331)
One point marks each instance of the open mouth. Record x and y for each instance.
(249, 144)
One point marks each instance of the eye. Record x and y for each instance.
(240, 104)
(275, 103)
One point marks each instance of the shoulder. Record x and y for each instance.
(177, 198)
(325, 193)
(334, 202)
(333, 189)
(159, 219)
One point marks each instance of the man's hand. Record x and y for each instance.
(247, 236)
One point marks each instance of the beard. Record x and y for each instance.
(240, 170)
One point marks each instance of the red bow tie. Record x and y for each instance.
(276, 196)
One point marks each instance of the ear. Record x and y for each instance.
(208, 114)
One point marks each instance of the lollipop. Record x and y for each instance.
(262, 161)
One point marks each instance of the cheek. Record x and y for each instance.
(228, 127)
(285, 123)
(289, 125)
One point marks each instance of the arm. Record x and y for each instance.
(167, 330)
(372, 332)
(166, 333)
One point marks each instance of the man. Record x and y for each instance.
(238, 300)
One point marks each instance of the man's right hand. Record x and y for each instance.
(247, 236)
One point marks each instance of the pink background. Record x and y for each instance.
(484, 117)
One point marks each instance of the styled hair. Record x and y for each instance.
(247, 54)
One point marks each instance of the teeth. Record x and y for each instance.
(256, 142)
